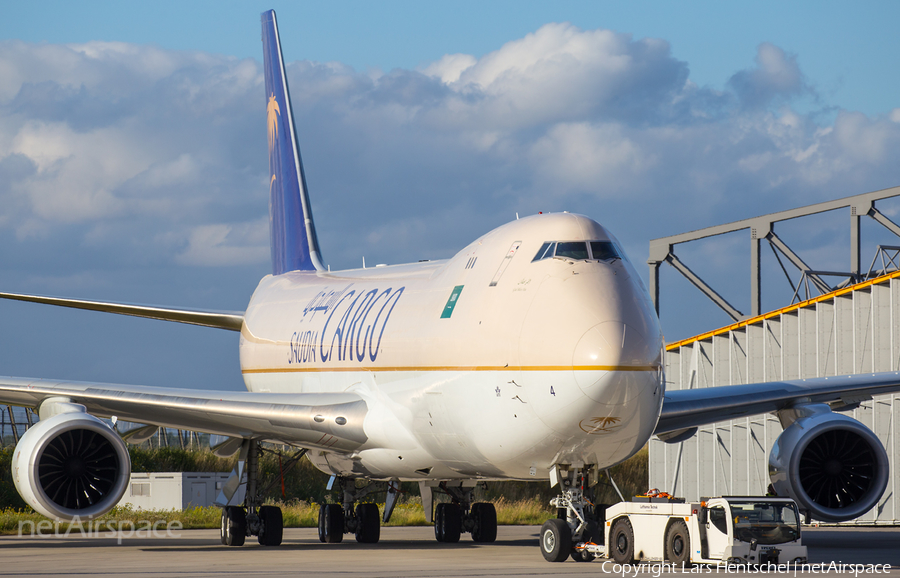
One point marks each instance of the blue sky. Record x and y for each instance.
(133, 168)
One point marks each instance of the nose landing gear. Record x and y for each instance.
(577, 531)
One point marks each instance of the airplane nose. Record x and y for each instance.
(614, 363)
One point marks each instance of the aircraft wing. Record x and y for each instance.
(690, 408)
(327, 421)
(219, 319)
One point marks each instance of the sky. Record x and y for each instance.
(133, 157)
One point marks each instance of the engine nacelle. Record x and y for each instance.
(71, 464)
(833, 466)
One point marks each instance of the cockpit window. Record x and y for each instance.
(572, 250)
(579, 250)
(544, 252)
(604, 250)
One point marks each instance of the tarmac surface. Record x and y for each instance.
(401, 552)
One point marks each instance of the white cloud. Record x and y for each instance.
(101, 140)
(585, 157)
(223, 245)
(559, 73)
(75, 171)
(865, 140)
(776, 76)
(450, 67)
(116, 68)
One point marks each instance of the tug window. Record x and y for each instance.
(572, 250)
(717, 517)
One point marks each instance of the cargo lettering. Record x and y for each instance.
(348, 325)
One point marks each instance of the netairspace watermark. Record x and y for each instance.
(658, 568)
(119, 529)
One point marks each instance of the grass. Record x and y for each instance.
(517, 503)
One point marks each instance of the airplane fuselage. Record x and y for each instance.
(490, 364)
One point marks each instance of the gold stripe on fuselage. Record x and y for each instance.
(457, 368)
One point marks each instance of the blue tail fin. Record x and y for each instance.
(293, 234)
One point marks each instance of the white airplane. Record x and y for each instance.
(532, 354)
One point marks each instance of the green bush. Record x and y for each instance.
(9, 497)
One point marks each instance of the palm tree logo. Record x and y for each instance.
(272, 113)
(599, 425)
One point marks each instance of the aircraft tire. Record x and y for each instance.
(447, 522)
(439, 522)
(369, 528)
(234, 526)
(556, 540)
(222, 532)
(331, 523)
(485, 529)
(272, 526)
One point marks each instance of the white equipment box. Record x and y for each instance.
(173, 490)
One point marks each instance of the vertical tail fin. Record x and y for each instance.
(293, 233)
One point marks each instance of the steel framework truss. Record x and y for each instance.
(763, 228)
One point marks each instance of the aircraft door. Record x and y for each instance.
(505, 263)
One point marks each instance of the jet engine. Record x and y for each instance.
(71, 465)
(834, 467)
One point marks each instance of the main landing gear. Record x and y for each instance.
(363, 520)
(251, 518)
(460, 515)
(577, 531)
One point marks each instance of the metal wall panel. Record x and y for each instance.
(790, 357)
(807, 342)
(862, 331)
(756, 351)
(825, 349)
(773, 349)
(845, 346)
(881, 296)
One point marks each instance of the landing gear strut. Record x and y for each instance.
(251, 518)
(335, 520)
(461, 515)
(577, 531)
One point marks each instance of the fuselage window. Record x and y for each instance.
(572, 250)
(543, 252)
(604, 251)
